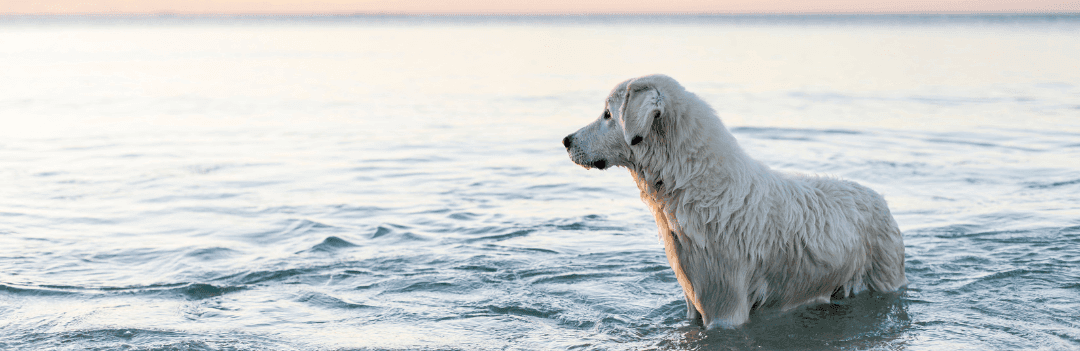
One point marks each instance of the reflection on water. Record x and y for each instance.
(867, 321)
(307, 184)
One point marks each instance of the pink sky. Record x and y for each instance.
(530, 6)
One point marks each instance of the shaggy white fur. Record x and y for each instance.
(737, 234)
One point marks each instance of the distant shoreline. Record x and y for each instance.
(795, 19)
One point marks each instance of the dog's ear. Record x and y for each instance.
(643, 103)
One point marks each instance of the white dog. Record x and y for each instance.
(738, 235)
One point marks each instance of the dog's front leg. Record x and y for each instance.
(691, 312)
(724, 307)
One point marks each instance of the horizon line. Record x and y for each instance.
(535, 14)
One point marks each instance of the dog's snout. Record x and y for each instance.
(569, 139)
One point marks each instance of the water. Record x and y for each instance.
(398, 183)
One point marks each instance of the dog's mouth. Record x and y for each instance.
(582, 160)
(598, 164)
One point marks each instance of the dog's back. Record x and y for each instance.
(836, 236)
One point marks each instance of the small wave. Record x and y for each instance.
(462, 216)
(647, 268)
(476, 268)
(550, 186)
(34, 291)
(591, 222)
(304, 225)
(427, 286)
(1053, 184)
(380, 232)
(212, 253)
(953, 231)
(997, 280)
(363, 211)
(518, 249)
(292, 228)
(953, 101)
(407, 160)
(958, 139)
(193, 291)
(331, 244)
(1074, 230)
(327, 301)
(519, 310)
(180, 198)
(266, 276)
(205, 169)
(111, 333)
(571, 278)
(204, 291)
(501, 237)
(145, 339)
(969, 259)
(535, 274)
(776, 130)
(393, 232)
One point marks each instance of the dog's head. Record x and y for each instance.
(632, 121)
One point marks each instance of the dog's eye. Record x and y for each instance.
(607, 114)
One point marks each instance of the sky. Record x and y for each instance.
(529, 6)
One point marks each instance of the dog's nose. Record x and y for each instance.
(568, 140)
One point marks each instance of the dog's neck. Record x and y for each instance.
(694, 167)
(688, 152)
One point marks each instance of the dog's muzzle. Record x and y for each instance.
(568, 142)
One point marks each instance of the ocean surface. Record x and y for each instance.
(393, 183)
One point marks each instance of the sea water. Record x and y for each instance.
(283, 183)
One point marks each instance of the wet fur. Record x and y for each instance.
(737, 234)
